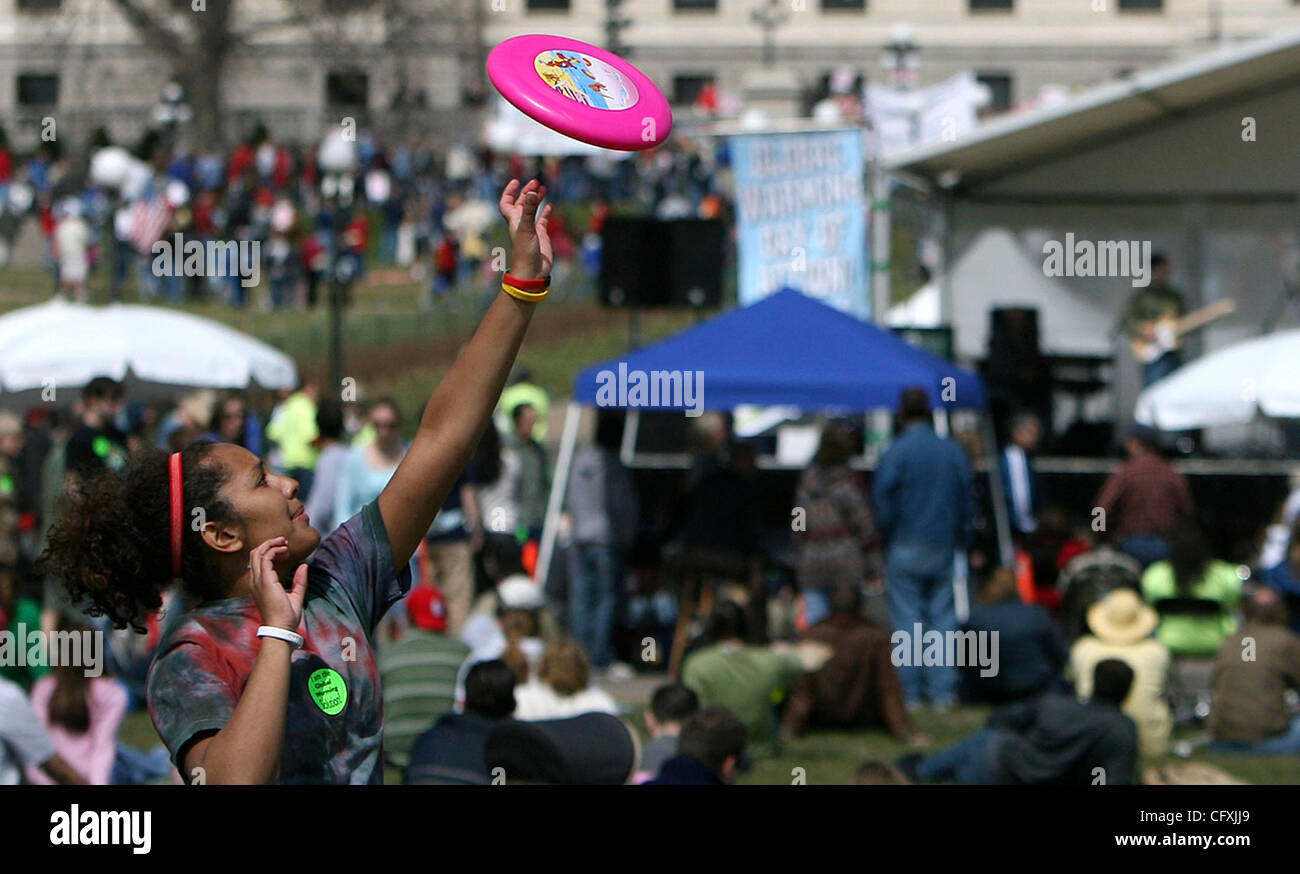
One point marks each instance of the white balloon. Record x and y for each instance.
(177, 193)
(378, 186)
(20, 197)
(109, 166)
(282, 215)
(337, 154)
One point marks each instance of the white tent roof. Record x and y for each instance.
(65, 345)
(922, 310)
(1228, 387)
(1137, 150)
(1111, 110)
(995, 272)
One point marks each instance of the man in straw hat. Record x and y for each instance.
(1121, 626)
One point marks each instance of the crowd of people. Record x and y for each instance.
(405, 204)
(1107, 638)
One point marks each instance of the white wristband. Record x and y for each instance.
(293, 638)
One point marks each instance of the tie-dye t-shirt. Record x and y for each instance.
(334, 723)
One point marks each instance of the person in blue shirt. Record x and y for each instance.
(923, 497)
(1031, 651)
(453, 751)
(1284, 577)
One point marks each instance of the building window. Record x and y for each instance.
(844, 5)
(1141, 5)
(999, 85)
(38, 89)
(687, 87)
(695, 5)
(38, 5)
(347, 89)
(992, 5)
(548, 5)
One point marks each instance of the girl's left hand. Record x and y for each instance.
(530, 256)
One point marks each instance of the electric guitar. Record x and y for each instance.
(1155, 337)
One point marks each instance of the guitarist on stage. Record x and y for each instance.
(1158, 302)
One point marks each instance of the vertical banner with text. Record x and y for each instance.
(801, 216)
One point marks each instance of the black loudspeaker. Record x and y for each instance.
(1013, 332)
(1016, 372)
(648, 263)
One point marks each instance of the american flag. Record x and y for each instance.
(148, 221)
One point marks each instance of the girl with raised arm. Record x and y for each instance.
(265, 672)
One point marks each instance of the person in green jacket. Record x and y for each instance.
(293, 428)
(1192, 572)
(747, 680)
(522, 390)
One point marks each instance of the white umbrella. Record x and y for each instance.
(65, 345)
(1230, 386)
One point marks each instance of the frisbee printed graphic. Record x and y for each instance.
(581, 90)
(582, 78)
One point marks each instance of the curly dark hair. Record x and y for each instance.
(109, 544)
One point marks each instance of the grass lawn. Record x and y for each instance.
(831, 757)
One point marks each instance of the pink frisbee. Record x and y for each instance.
(582, 91)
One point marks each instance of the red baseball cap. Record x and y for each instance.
(428, 608)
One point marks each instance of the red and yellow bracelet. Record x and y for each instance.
(526, 289)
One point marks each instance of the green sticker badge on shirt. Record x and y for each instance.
(328, 690)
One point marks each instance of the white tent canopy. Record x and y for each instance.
(921, 310)
(65, 345)
(1136, 150)
(996, 272)
(1228, 387)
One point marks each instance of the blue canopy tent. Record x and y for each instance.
(792, 350)
(786, 350)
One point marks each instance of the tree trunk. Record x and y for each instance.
(202, 80)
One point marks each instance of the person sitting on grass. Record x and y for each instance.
(859, 686)
(81, 714)
(1121, 628)
(512, 632)
(709, 751)
(1192, 572)
(1052, 740)
(561, 686)
(746, 679)
(1255, 669)
(25, 744)
(1284, 574)
(452, 751)
(1031, 650)
(670, 706)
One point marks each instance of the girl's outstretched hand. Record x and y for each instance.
(530, 256)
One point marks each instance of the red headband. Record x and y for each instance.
(178, 512)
